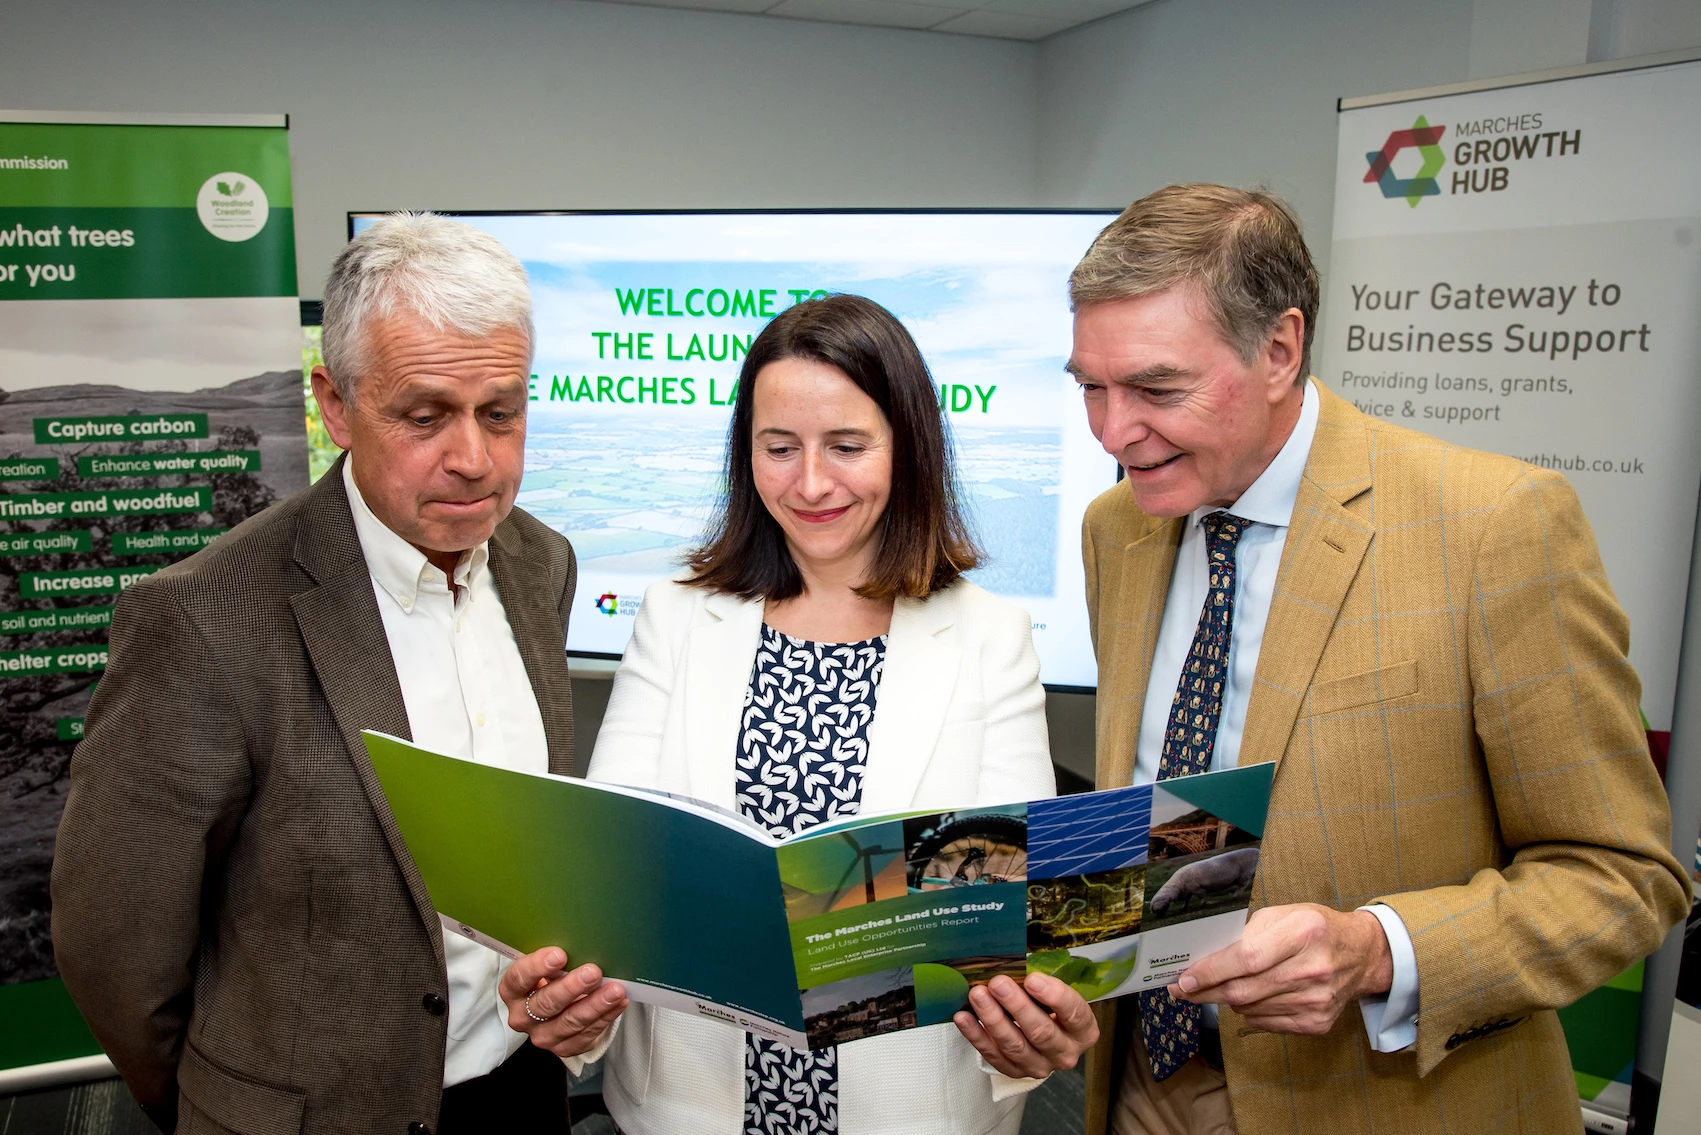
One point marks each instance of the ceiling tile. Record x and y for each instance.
(1069, 12)
(1004, 25)
(1003, 19)
(745, 6)
(886, 13)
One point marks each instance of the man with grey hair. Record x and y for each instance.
(234, 910)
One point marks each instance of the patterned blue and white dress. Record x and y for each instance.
(801, 755)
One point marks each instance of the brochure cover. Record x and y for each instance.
(866, 926)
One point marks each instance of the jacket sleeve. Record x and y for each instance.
(628, 748)
(570, 586)
(1016, 758)
(1090, 568)
(1591, 885)
(158, 789)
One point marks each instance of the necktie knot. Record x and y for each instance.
(1223, 528)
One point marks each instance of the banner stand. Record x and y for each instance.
(1482, 248)
(34, 1077)
(1683, 786)
(150, 400)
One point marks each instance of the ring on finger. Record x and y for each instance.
(532, 1015)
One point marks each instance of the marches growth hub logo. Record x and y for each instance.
(610, 604)
(1483, 153)
(1426, 140)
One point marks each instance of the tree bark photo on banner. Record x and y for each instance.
(150, 400)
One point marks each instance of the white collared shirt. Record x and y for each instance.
(467, 695)
(1268, 505)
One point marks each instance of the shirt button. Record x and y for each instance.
(460, 625)
(481, 721)
(407, 605)
(434, 1004)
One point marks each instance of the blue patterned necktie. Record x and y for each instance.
(1171, 1027)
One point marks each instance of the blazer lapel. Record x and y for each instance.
(535, 620)
(916, 684)
(718, 658)
(1147, 566)
(345, 639)
(1326, 543)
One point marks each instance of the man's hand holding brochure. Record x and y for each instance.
(861, 927)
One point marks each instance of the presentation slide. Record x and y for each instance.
(643, 322)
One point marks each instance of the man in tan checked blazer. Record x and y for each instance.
(1463, 800)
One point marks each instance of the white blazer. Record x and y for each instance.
(959, 719)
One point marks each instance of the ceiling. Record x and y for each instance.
(1000, 19)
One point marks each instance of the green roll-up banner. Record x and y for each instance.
(150, 399)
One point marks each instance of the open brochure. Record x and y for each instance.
(865, 926)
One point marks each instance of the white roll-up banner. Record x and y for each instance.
(1518, 269)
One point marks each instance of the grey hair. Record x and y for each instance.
(447, 273)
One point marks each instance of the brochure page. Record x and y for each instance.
(866, 926)
(683, 907)
(1113, 892)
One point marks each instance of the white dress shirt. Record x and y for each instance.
(1390, 1020)
(467, 695)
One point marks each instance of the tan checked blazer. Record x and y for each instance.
(1444, 685)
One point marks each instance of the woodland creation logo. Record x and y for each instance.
(232, 206)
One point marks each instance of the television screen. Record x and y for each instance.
(643, 320)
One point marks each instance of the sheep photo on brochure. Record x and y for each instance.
(866, 926)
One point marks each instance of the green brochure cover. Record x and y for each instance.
(869, 925)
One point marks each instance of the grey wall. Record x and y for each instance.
(502, 104)
(1244, 91)
(1236, 91)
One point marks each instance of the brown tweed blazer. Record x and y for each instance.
(234, 910)
(1443, 684)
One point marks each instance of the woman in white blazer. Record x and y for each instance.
(822, 656)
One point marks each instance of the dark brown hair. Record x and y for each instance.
(1243, 247)
(924, 543)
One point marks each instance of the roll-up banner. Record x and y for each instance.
(1517, 268)
(150, 399)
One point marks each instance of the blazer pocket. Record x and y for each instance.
(1385, 684)
(241, 1105)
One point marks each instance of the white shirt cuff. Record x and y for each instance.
(1391, 1018)
(1003, 1087)
(578, 1064)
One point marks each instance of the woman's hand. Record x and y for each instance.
(1018, 1035)
(566, 1013)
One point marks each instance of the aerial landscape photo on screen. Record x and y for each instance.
(643, 324)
